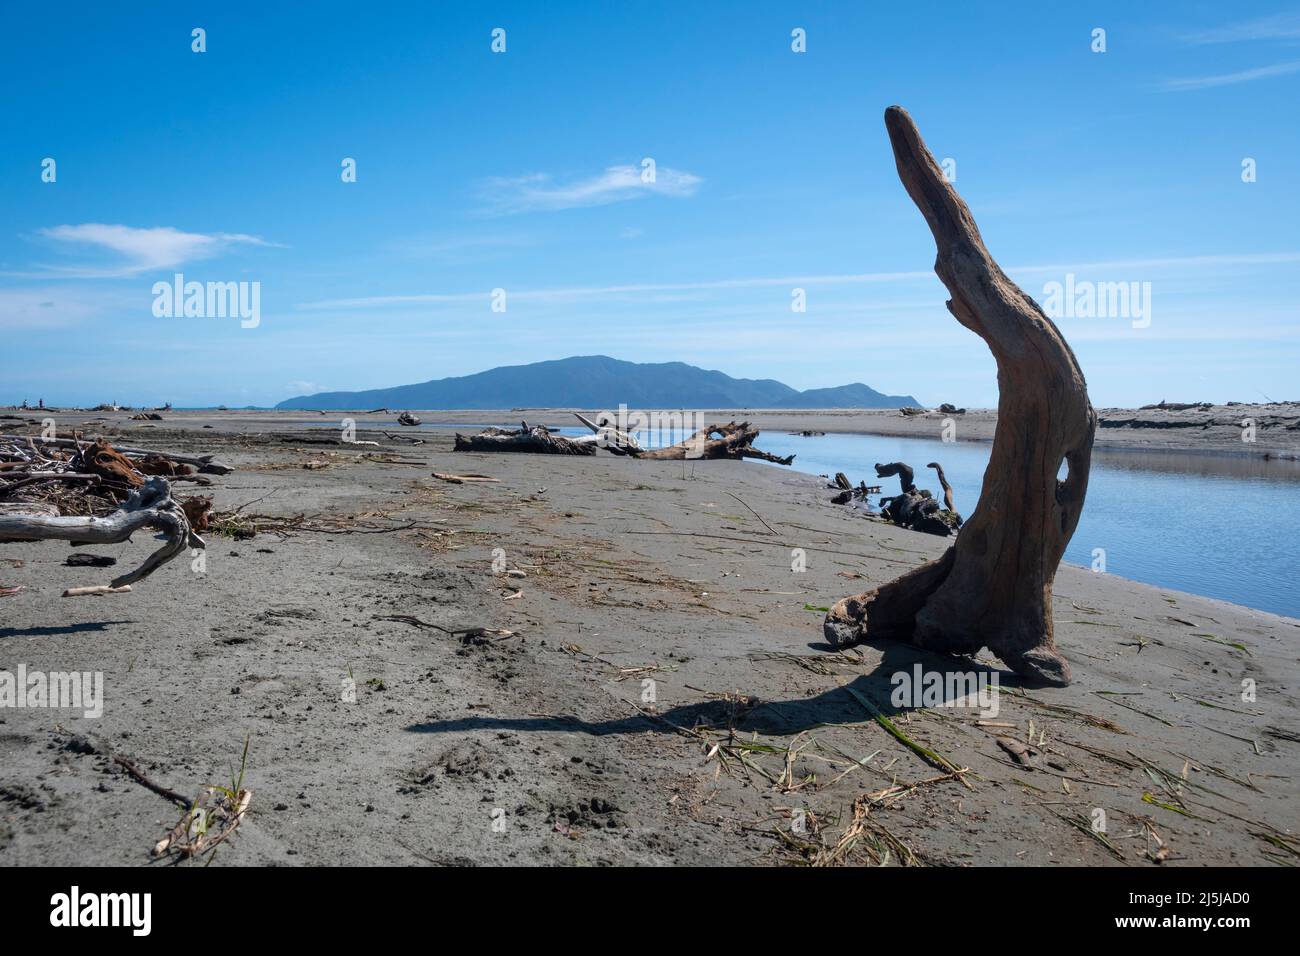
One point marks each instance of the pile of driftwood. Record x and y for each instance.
(89, 492)
(733, 440)
(913, 508)
(916, 508)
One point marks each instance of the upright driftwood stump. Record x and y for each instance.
(994, 586)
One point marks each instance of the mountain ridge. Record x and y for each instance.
(598, 381)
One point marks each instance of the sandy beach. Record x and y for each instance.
(663, 694)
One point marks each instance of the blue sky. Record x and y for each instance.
(522, 171)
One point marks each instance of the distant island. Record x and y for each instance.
(598, 381)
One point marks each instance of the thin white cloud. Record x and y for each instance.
(538, 191)
(1281, 26)
(642, 289)
(140, 250)
(1186, 84)
(459, 250)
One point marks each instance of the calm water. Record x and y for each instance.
(1214, 525)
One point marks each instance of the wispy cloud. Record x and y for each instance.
(570, 293)
(539, 192)
(138, 250)
(1186, 84)
(1280, 26)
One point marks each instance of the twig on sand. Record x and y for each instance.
(753, 512)
(464, 633)
(86, 744)
(1109, 695)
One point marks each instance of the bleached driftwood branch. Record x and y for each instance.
(149, 506)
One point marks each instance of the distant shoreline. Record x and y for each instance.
(1213, 430)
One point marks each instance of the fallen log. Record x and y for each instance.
(735, 441)
(536, 440)
(993, 588)
(149, 506)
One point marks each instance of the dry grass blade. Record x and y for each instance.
(1083, 825)
(922, 751)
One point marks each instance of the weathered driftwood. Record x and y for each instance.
(462, 479)
(536, 440)
(406, 418)
(732, 441)
(994, 586)
(913, 507)
(149, 506)
(119, 472)
(96, 589)
(607, 436)
(848, 493)
(947, 489)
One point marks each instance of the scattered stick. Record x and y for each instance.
(96, 589)
(754, 513)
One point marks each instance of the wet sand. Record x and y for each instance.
(549, 746)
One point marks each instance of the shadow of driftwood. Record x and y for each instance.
(51, 630)
(770, 718)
